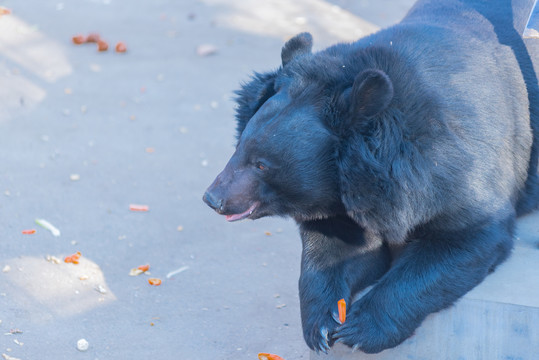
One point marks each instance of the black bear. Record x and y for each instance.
(421, 138)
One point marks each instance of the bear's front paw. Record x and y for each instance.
(319, 324)
(370, 328)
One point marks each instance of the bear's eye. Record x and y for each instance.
(261, 166)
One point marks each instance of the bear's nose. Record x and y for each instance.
(213, 202)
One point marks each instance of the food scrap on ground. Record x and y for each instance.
(102, 45)
(101, 289)
(6, 269)
(79, 39)
(135, 272)
(47, 225)
(73, 258)
(144, 267)
(53, 259)
(154, 281)
(82, 345)
(29, 231)
(177, 271)
(7, 357)
(139, 270)
(95, 38)
(4, 10)
(267, 356)
(341, 304)
(206, 50)
(121, 47)
(135, 207)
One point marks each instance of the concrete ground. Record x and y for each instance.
(85, 134)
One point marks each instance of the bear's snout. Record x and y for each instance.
(213, 201)
(231, 194)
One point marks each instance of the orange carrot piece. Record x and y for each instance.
(29, 231)
(102, 45)
(144, 267)
(341, 304)
(135, 207)
(121, 47)
(154, 281)
(266, 356)
(93, 38)
(79, 39)
(73, 258)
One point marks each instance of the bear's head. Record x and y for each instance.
(291, 124)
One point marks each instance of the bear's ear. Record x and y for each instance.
(371, 93)
(251, 97)
(298, 45)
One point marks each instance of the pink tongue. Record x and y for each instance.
(246, 213)
(233, 217)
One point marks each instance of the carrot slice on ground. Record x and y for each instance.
(135, 207)
(93, 38)
(73, 258)
(79, 39)
(121, 47)
(29, 231)
(266, 356)
(341, 304)
(102, 45)
(154, 281)
(144, 267)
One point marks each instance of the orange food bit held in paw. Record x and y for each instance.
(144, 267)
(154, 281)
(73, 258)
(341, 304)
(29, 231)
(79, 39)
(93, 38)
(266, 356)
(120, 47)
(102, 45)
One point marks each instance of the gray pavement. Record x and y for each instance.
(85, 134)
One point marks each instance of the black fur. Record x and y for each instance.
(421, 137)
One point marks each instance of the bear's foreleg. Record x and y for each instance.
(430, 275)
(338, 259)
